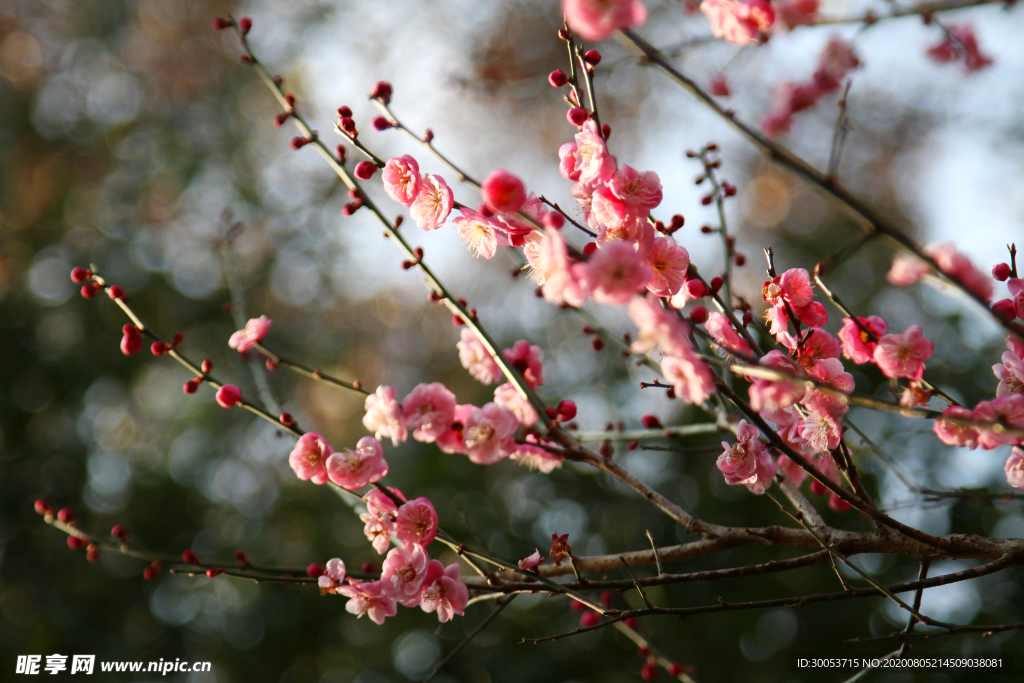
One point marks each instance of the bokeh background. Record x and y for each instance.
(131, 137)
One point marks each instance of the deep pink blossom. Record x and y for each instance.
(858, 345)
(1014, 469)
(796, 12)
(1016, 287)
(378, 530)
(1007, 411)
(333, 577)
(508, 396)
(777, 393)
(309, 458)
(228, 396)
(829, 372)
(907, 269)
(443, 591)
(401, 176)
(368, 598)
(668, 262)
(384, 416)
(475, 357)
(726, 336)
(527, 359)
(355, 468)
(432, 206)
(736, 21)
(955, 434)
(563, 282)
(403, 572)
(567, 159)
(535, 457)
(615, 273)
(960, 45)
(594, 163)
(658, 327)
(451, 440)
(531, 560)
(255, 330)
(503, 191)
(595, 20)
(1010, 372)
(793, 288)
(690, 377)
(488, 433)
(903, 355)
(380, 504)
(429, 410)
(416, 522)
(479, 233)
(638, 189)
(834, 63)
(793, 472)
(746, 461)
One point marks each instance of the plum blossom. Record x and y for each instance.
(595, 20)
(309, 458)
(793, 13)
(690, 377)
(479, 233)
(255, 330)
(793, 472)
(857, 344)
(333, 577)
(443, 591)
(907, 269)
(777, 393)
(561, 277)
(615, 273)
(820, 431)
(433, 204)
(475, 357)
(793, 288)
(668, 262)
(531, 560)
(402, 182)
(1008, 411)
(746, 461)
(416, 522)
(960, 45)
(954, 434)
(384, 416)
(640, 190)
(725, 335)
(536, 458)
(508, 396)
(403, 573)
(903, 355)
(353, 469)
(526, 358)
(488, 433)
(829, 372)
(614, 219)
(594, 163)
(451, 440)
(1010, 372)
(736, 21)
(567, 159)
(658, 327)
(429, 409)
(1014, 470)
(368, 598)
(378, 530)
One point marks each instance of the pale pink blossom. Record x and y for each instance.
(658, 327)
(503, 191)
(384, 416)
(475, 357)
(527, 359)
(788, 425)
(777, 393)
(380, 504)
(793, 13)
(333, 577)
(595, 20)
(567, 159)
(615, 272)
(955, 434)
(829, 372)
(416, 522)
(584, 196)
(488, 433)
(793, 288)
(746, 461)
(403, 572)
(562, 278)
(736, 21)
(906, 269)
(612, 218)
(1007, 411)
(451, 440)
(479, 233)
(726, 336)
(255, 330)
(354, 469)
(638, 189)
(433, 204)
(835, 61)
(535, 457)
(689, 375)
(793, 472)
(1010, 372)
(368, 598)
(958, 267)
(508, 396)
(401, 176)
(593, 161)
(668, 262)
(1014, 471)
(857, 344)
(821, 431)
(378, 530)
(903, 355)
(443, 591)
(429, 409)
(309, 458)
(532, 246)
(531, 561)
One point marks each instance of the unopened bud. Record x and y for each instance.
(244, 25)
(192, 386)
(557, 78)
(382, 91)
(80, 275)
(577, 116)
(221, 23)
(1000, 271)
(159, 348)
(592, 57)
(365, 170)
(287, 419)
(382, 123)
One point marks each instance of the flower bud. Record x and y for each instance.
(298, 142)
(748, 318)
(651, 422)
(191, 386)
(120, 533)
(245, 25)
(838, 504)
(314, 571)
(1004, 309)
(131, 343)
(699, 315)
(207, 366)
(151, 571)
(159, 348)
(190, 557)
(212, 572)
(382, 123)
(221, 23)
(1000, 271)
(80, 275)
(566, 410)
(695, 288)
(649, 672)
(89, 290)
(365, 170)
(228, 396)
(280, 119)
(287, 419)
(577, 116)
(716, 284)
(597, 343)
(553, 219)
(606, 131)
(589, 248)
(817, 488)
(557, 78)
(606, 450)
(370, 568)
(76, 543)
(67, 516)
(43, 507)
(382, 91)
(592, 57)
(740, 260)
(177, 338)
(590, 618)
(92, 553)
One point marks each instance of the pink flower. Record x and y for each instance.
(536, 458)
(403, 574)
(488, 433)
(857, 345)
(640, 190)
(309, 458)
(594, 163)
(836, 60)
(443, 591)
(479, 233)
(906, 269)
(451, 441)
(796, 12)
(746, 461)
(829, 372)
(793, 288)
(433, 204)
(567, 159)
(475, 357)
(429, 409)
(725, 335)
(508, 396)
(401, 178)
(658, 327)
(368, 598)
(738, 22)
(615, 273)
(503, 191)
(380, 504)
(562, 278)
(331, 580)
(821, 431)
(903, 355)
(779, 393)
(1014, 471)
(954, 434)
(1010, 372)
(689, 375)
(1008, 411)
(527, 360)
(668, 263)
(378, 531)
(384, 416)
(255, 330)
(416, 522)
(960, 45)
(353, 469)
(612, 217)
(531, 561)
(958, 267)
(793, 472)
(595, 20)
(228, 396)
(1016, 287)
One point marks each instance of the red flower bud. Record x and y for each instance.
(190, 557)
(287, 419)
(566, 410)
(221, 23)
(365, 170)
(191, 386)
(207, 366)
(817, 488)
(67, 516)
(577, 116)
(159, 348)
(370, 568)
(76, 543)
(177, 338)
(314, 571)
(557, 78)
(589, 248)
(228, 396)
(281, 118)
(597, 343)
(92, 553)
(382, 123)
(699, 315)
(151, 571)
(1004, 309)
(578, 606)
(553, 219)
(382, 91)
(606, 131)
(649, 672)
(590, 618)
(131, 343)
(838, 504)
(716, 284)
(650, 422)
(245, 25)
(644, 652)
(632, 622)
(344, 112)
(120, 533)
(342, 154)
(212, 572)
(1000, 271)
(298, 142)
(592, 57)
(748, 318)
(606, 450)
(89, 290)
(80, 275)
